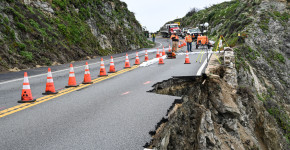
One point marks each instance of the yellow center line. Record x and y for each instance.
(40, 100)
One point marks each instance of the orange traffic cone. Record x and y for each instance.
(146, 56)
(157, 53)
(163, 52)
(72, 79)
(26, 95)
(50, 89)
(127, 62)
(169, 50)
(187, 58)
(112, 66)
(179, 46)
(102, 69)
(87, 76)
(161, 59)
(137, 61)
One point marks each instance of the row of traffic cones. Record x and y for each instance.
(162, 53)
(183, 43)
(26, 95)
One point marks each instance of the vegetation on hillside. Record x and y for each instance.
(75, 29)
(264, 29)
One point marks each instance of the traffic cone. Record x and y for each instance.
(169, 50)
(50, 89)
(157, 54)
(127, 62)
(187, 58)
(163, 52)
(184, 43)
(173, 55)
(137, 61)
(179, 46)
(87, 76)
(146, 56)
(112, 66)
(102, 69)
(161, 59)
(26, 95)
(72, 79)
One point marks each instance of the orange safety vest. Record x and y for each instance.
(176, 36)
(188, 39)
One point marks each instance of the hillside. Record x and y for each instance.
(260, 119)
(50, 32)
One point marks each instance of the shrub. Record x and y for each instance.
(15, 13)
(281, 117)
(62, 28)
(28, 56)
(21, 26)
(21, 46)
(34, 24)
(285, 17)
(279, 57)
(61, 3)
(85, 13)
(264, 22)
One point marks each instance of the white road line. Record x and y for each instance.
(44, 74)
(160, 44)
(203, 65)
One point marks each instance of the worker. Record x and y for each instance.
(174, 37)
(188, 40)
(153, 37)
(239, 37)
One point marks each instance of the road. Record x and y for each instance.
(116, 112)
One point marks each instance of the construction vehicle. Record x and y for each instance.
(202, 41)
(168, 29)
(195, 32)
(184, 32)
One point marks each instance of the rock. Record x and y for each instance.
(231, 125)
(165, 141)
(15, 69)
(45, 6)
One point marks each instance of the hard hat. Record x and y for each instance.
(174, 31)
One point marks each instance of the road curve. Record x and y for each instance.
(115, 113)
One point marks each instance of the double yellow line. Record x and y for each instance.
(23, 106)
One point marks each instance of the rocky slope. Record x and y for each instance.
(46, 32)
(250, 107)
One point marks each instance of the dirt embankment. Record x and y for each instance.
(215, 113)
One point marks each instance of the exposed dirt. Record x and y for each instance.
(213, 114)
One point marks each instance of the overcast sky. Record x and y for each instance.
(155, 13)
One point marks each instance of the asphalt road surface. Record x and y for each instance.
(116, 112)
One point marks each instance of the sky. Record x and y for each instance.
(155, 13)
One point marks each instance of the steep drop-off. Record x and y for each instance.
(253, 113)
(48, 32)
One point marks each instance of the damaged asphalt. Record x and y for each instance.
(116, 113)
